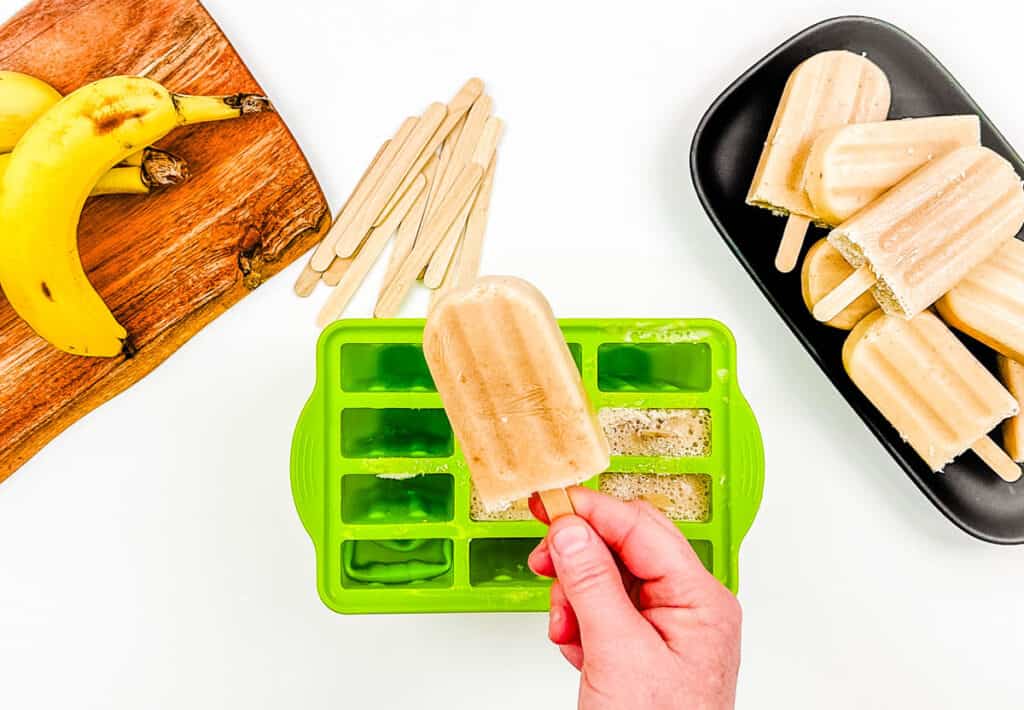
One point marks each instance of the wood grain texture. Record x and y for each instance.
(166, 264)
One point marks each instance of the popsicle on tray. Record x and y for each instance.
(827, 90)
(1012, 374)
(848, 167)
(919, 239)
(988, 304)
(929, 386)
(823, 269)
(512, 393)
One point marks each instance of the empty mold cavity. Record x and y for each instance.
(500, 562)
(684, 496)
(674, 433)
(654, 367)
(400, 433)
(384, 367)
(423, 563)
(576, 350)
(704, 553)
(519, 510)
(367, 499)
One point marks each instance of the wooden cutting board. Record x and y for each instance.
(169, 263)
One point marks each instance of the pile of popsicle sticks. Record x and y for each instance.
(429, 187)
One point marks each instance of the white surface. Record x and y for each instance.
(151, 556)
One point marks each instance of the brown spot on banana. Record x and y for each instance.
(106, 124)
(46, 291)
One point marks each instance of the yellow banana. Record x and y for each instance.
(51, 172)
(156, 168)
(23, 99)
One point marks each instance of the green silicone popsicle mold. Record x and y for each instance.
(383, 491)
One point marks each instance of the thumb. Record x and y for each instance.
(590, 579)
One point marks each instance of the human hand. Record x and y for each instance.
(634, 610)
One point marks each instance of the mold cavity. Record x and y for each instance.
(685, 496)
(675, 433)
(654, 367)
(519, 510)
(501, 562)
(420, 563)
(398, 433)
(367, 499)
(704, 553)
(384, 367)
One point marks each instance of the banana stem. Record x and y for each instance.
(200, 109)
(157, 168)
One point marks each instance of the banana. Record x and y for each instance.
(23, 99)
(156, 168)
(51, 172)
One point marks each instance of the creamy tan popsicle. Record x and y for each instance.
(827, 90)
(823, 269)
(512, 393)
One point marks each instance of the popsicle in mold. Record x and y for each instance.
(827, 90)
(919, 239)
(850, 166)
(988, 304)
(929, 386)
(513, 394)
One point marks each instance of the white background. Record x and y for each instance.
(151, 556)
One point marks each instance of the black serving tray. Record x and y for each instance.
(723, 157)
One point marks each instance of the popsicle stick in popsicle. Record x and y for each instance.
(460, 104)
(557, 503)
(848, 291)
(366, 257)
(997, 459)
(792, 242)
(356, 231)
(309, 276)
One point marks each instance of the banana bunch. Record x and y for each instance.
(62, 150)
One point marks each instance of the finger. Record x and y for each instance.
(538, 510)
(540, 560)
(637, 533)
(562, 626)
(591, 582)
(574, 654)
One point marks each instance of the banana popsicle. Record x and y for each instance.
(1012, 375)
(827, 90)
(988, 304)
(919, 239)
(512, 393)
(848, 167)
(929, 386)
(823, 269)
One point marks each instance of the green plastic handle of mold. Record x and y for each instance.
(746, 453)
(307, 469)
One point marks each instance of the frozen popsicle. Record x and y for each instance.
(988, 304)
(1012, 374)
(919, 239)
(512, 393)
(827, 90)
(941, 400)
(823, 269)
(849, 166)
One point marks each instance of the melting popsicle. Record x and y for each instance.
(929, 386)
(512, 393)
(919, 239)
(827, 90)
(848, 167)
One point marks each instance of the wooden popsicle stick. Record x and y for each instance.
(457, 109)
(557, 503)
(997, 459)
(482, 154)
(426, 242)
(406, 235)
(309, 277)
(325, 251)
(476, 226)
(462, 151)
(1011, 373)
(792, 242)
(337, 269)
(413, 148)
(451, 277)
(447, 148)
(848, 291)
(367, 255)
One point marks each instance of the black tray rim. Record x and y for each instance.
(882, 437)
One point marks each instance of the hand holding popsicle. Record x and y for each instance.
(634, 610)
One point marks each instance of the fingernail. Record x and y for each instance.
(571, 539)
